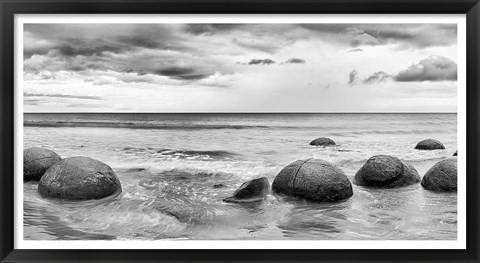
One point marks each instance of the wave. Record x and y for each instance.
(159, 152)
(132, 125)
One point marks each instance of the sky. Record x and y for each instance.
(240, 68)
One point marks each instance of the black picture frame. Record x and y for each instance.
(8, 8)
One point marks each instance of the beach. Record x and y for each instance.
(168, 165)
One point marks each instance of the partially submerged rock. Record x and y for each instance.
(387, 172)
(313, 179)
(36, 161)
(79, 178)
(322, 141)
(442, 177)
(430, 144)
(251, 191)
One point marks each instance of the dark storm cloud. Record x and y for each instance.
(266, 47)
(376, 77)
(158, 49)
(266, 61)
(434, 68)
(352, 77)
(61, 96)
(421, 36)
(139, 41)
(182, 73)
(295, 61)
(94, 39)
(403, 35)
(81, 47)
(198, 29)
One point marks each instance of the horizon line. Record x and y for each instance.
(269, 112)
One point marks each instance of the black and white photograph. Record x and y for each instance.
(240, 131)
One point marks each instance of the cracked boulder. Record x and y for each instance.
(36, 161)
(252, 191)
(313, 179)
(386, 171)
(79, 178)
(442, 177)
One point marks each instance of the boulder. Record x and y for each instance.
(251, 191)
(442, 177)
(455, 154)
(313, 179)
(322, 142)
(386, 172)
(36, 161)
(430, 144)
(79, 178)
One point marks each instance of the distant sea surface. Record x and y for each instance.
(169, 163)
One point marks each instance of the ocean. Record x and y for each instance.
(169, 163)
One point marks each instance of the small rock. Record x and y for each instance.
(79, 178)
(219, 186)
(313, 179)
(442, 177)
(455, 154)
(251, 191)
(322, 142)
(387, 172)
(36, 161)
(430, 144)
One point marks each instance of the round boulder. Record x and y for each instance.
(442, 177)
(386, 172)
(79, 178)
(430, 144)
(322, 142)
(36, 161)
(313, 179)
(251, 191)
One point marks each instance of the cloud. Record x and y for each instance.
(182, 73)
(434, 68)
(60, 96)
(376, 77)
(294, 61)
(264, 46)
(401, 35)
(266, 61)
(81, 47)
(352, 77)
(355, 50)
(199, 29)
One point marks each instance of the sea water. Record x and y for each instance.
(169, 163)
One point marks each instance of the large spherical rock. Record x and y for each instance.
(322, 142)
(386, 171)
(36, 161)
(79, 178)
(442, 176)
(251, 191)
(430, 144)
(313, 179)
